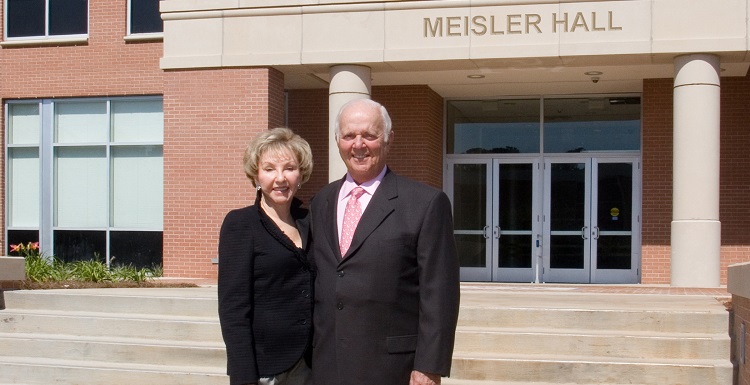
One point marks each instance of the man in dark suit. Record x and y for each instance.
(386, 306)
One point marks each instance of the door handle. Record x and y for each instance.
(595, 232)
(583, 232)
(496, 232)
(485, 233)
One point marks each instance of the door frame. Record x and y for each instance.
(590, 273)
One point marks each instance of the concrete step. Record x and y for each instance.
(592, 311)
(505, 337)
(192, 302)
(595, 343)
(458, 381)
(72, 372)
(100, 324)
(590, 370)
(110, 349)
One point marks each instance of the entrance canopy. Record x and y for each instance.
(460, 48)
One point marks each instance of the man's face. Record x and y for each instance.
(361, 142)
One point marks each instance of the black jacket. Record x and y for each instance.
(265, 294)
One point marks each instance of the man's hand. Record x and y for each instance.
(419, 378)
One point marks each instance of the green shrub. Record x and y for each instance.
(40, 268)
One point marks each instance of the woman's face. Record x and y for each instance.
(278, 176)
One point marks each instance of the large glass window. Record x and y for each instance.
(592, 124)
(100, 193)
(493, 126)
(566, 125)
(145, 17)
(45, 18)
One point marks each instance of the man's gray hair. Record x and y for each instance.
(385, 119)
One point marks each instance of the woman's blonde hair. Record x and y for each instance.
(278, 141)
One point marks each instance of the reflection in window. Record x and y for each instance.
(44, 18)
(104, 184)
(145, 17)
(568, 125)
(602, 124)
(493, 126)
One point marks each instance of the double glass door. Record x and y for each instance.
(568, 219)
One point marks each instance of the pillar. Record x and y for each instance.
(348, 82)
(696, 229)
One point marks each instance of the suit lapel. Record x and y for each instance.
(329, 219)
(381, 205)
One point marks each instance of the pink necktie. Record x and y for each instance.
(352, 213)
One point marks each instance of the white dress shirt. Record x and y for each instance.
(346, 189)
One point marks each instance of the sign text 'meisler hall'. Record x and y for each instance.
(517, 24)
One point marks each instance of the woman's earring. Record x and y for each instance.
(299, 186)
(257, 188)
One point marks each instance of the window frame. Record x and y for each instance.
(140, 35)
(47, 148)
(46, 37)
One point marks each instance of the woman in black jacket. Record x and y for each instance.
(265, 277)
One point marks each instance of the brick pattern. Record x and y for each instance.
(417, 115)
(735, 180)
(209, 118)
(657, 176)
(740, 316)
(308, 117)
(210, 115)
(657, 180)
(106, 65)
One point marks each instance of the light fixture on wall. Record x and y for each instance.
(476, 76)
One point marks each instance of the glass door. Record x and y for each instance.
(567, 202)
(616, 250)
(516, 225)
(592, 219)
(470, 191)
(496, 219)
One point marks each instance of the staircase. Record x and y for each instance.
(507, 335)
(111, 336)
(555, 335)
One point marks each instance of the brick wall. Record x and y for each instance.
(106, 65)
(741, 316)
(657, 180)
(734, 210)
(657, 176)
(308, 116)
(417, 115)
(209, 118)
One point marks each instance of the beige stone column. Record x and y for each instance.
(348, 82)
(696, 229)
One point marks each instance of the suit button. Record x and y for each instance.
(341, 273)
(305, 293)
(340, 306)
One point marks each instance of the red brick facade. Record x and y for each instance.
(209, 117)
(657, 176)
(211, 114)
(741, 316)
(106, 65)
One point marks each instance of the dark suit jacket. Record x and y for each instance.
(392, 304)
(265, 294)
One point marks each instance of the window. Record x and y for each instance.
(85, 178)
(145, 17)
(563, 125)
(45, 18)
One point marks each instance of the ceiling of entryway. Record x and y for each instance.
(531, 76)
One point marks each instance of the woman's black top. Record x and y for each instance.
(265, 293)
